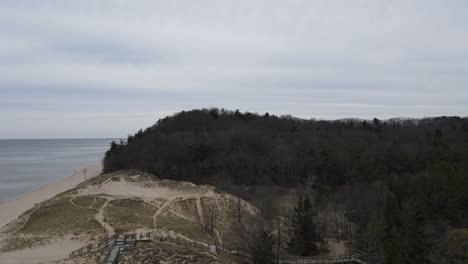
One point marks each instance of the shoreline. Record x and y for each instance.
(11, 209)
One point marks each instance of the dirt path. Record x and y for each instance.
(159, 212)
(220, 240)
(73, 203)
(217, 203)
(94, 201)
(190, 240)
(179, 215)
(200, 211)
(100, 217)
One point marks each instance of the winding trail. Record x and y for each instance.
(159, 212)
(73, 203)
(179, 215)
(220, 240)
(200, 211)
(94, 201)
(217, 203)
(100, 217)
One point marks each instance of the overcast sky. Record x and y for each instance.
(107, 68)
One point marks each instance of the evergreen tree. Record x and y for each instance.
(304, 230)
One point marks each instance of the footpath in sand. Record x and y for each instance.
(10, 211)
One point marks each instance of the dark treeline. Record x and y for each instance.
(212, 146)
(406, 180)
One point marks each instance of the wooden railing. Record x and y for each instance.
(93, 247)
(350, 257)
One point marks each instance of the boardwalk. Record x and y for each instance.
(331, 260)
(112, 257)
(114, 246)
(118, 246)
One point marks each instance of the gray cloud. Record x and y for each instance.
(91, 60)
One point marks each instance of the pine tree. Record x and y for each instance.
(304, 230)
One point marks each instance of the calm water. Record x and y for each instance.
(28, 164)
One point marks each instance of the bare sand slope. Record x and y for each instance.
(11, 210)
(42, 254)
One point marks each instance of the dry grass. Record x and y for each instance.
(58, 217)
(98, 203)
(19, 242)
(184, 227)
(129, 214)
(187, 208)
(84, 201)
(156, 252)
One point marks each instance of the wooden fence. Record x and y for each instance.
(351, 257)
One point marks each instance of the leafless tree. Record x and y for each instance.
(279, 234)
(211, 215)
(337, 221)
(322, 228)
(258, 239)
(240, 209)
(84, 171)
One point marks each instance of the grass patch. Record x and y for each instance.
(184, 227)
(17, 243)
(157, 252)
(95, 201)
(84, 201)
(60, 217)
(99, 202)
(128, 214)
(187, 208)
(226, 219)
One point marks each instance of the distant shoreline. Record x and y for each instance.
(11, 209)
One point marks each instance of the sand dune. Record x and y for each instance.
(42, 254)
(162, 207)
(11, 210)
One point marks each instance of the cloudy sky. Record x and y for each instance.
(107, 68)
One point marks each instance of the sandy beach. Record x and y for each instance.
(10, 210)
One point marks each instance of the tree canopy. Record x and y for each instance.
(220, 146)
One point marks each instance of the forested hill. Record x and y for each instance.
(218, 146)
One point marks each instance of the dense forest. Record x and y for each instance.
(410, 175)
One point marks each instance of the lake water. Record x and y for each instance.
(27, 164)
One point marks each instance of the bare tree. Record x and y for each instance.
(211, 215)
(259, 239)
(84, 171)
(322, 228)
(278, 238)
(336, 212)
(240, 209)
